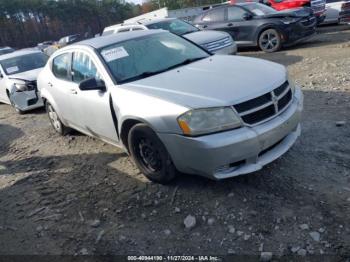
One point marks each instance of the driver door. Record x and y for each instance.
(240, 25)
(93, 106)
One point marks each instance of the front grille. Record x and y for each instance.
(219, 44)
(266, 106)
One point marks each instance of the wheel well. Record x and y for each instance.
(127, 125)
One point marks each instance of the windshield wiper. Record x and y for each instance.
(151, 73)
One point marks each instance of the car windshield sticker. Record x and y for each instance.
(114, 53)
(12, 69)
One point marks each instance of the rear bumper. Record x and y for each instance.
(238, 151)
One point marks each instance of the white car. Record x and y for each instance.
(18, 74)
(333, 9)
(214, 41)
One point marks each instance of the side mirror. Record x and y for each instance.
(247, 16)
(92, 84)
(1, 76)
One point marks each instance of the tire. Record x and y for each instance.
(55, 120)
(270, 40)
(150, 155)
(19, 111)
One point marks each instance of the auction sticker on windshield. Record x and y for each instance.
(114, 53)
(12, 69)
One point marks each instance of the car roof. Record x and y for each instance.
(102, 41)
(18, 53)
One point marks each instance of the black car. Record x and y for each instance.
(255, 24)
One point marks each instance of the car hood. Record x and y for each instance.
(204, 37)
(214, 81)
(27, 76)
(296, 12)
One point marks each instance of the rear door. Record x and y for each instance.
(61, 88)
(213, 20)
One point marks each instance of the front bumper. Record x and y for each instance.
(238, 151)
(27, 100)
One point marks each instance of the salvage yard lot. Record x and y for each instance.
(77, 195)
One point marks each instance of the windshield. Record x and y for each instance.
(23, 63)
(259, 9)
(175, 26)
(142, 57)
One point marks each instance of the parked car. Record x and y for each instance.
(6, 50)
(318, 6)
(70, 39)
(344, 15)
(18, 73)
(213, 115)
(213, 41)
(255, 24)
(334, 8)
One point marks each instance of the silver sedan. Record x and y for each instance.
(173, 106)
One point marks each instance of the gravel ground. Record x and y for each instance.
(77, 195)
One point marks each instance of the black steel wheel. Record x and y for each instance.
(150, 155)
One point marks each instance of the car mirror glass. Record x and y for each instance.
(92, 84)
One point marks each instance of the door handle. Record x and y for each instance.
(49, 84)
(205, 26)
(229, 24)
(73, 91)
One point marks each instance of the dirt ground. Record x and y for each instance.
(77, 195)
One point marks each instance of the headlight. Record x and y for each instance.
(208, 120)
(288, 21)
(291, 82)
(20, 86)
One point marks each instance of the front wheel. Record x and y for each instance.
(55, 120)
(150, 155)
(270, 41)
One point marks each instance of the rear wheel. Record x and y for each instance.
(150, 155)
(270, 41)
(55, 120)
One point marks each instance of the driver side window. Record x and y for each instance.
(235, 14)
(83, 68)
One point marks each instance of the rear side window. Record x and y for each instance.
(137, 28)
(60, 66)
(83, 68)
(107, 32)
(126, 29)
(215, 15)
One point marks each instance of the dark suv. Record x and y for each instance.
(255, 24)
